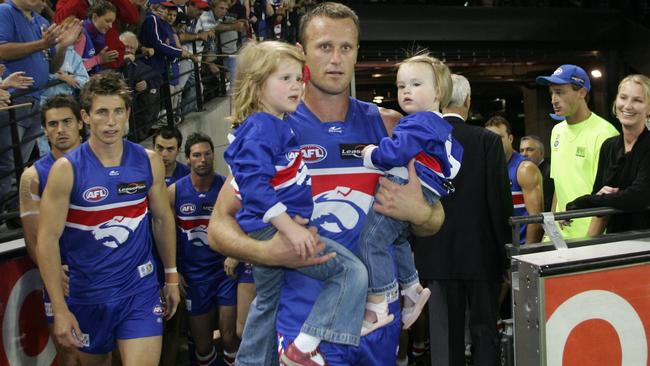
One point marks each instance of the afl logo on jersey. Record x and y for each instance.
(95, 194)
(188, 208)
(313, 153)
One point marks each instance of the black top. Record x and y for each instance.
(471, 243)
(630, 173)
(548, 185)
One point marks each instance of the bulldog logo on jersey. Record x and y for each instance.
(116, 230)
(340, 209)
(198, 235)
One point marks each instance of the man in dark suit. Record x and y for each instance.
(464, 264)
(532, 147)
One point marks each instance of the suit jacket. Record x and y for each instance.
(471, 243)
(547, 181)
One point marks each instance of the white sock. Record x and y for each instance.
(230, 354)
(307, 343)
(205, 360)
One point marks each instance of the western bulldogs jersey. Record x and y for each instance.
(180, 171)
(342, 188)
(268, 171)
(43, 167)
(425, 136)
(517, 193)
(196, 261)
(107, 233)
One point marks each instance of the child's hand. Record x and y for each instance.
(302, 240)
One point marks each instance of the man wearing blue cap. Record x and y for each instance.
(575, 142)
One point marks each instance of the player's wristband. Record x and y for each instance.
(171, 270)
(171, 283)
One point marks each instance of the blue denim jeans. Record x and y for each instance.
(378, 233)
(28, 129)
(335, 317)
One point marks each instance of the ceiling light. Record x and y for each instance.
(596, 73)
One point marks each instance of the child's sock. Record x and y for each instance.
(307, 343)
(207, 359)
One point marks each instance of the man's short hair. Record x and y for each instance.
(169, 133)
(538, 141)
(496, 121)
(106, 83)
(60, 101)
(197, 138)
(460, 90)
(328, 10)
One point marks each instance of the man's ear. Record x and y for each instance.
(467, 102)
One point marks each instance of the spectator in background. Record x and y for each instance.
(226, 30)
(127, 13)
(623, 177)
(575, 142)
(72, 73)
(156, 32)
(28, 43)
(525, 181)
(145, 84)
(532, 147)
(95, 52)
(190, 38)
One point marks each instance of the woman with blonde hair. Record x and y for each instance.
(623, 177)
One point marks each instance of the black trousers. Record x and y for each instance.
(449, 299)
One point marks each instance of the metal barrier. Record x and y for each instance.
(558, 287)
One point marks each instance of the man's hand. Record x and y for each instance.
(403, 202)
(241, 25)
(172, 297)
(141, 86)
(5, 97)
(147, 51)
(282, 253)
(69, 32)
(107, 56)
(607, 190)
(230, 266)
(68, 79)
(50, 34)
(203, 35)
(17, 80)
(66, 330)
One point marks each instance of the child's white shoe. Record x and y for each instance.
(410, 314)
(383, 318)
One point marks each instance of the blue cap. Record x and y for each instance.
(567, 74)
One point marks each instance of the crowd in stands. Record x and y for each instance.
(173, 55)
